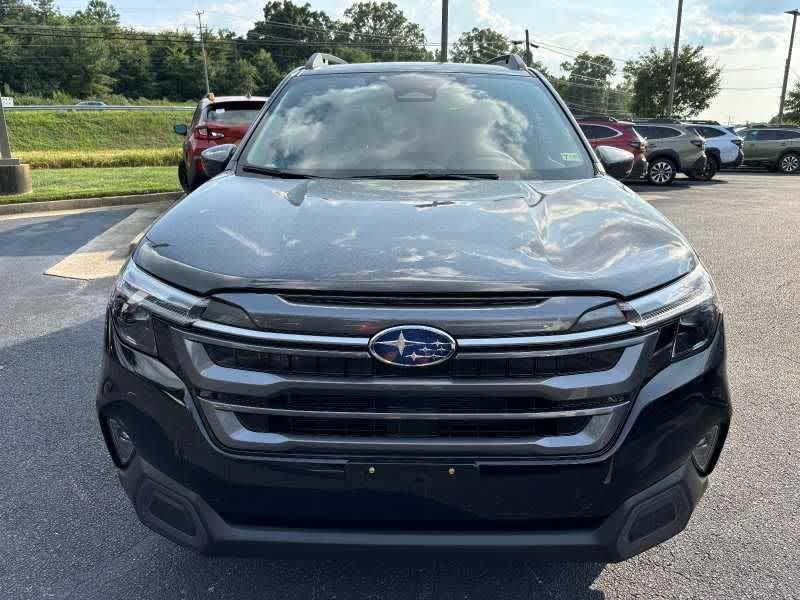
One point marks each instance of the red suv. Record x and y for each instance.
(222, 120)
(608, 131)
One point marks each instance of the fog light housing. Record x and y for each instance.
(705, 450)
(123, 445)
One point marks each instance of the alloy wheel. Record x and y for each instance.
(790, 163)
(661, 172)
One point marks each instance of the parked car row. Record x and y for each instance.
(663, 147)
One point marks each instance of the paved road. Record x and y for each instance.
(67, 531)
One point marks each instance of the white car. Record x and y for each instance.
(723, 148)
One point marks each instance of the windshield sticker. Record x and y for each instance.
(570, 157)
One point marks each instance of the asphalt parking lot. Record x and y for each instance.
(68, 531)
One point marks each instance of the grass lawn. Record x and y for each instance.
(73, 159)
(54, 131)
(59, 184)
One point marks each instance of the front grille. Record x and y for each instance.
(403, 403)
(285, 363)
(410, 428)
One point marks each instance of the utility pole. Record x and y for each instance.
(795, 13)
(5, 147)
(445, 19)
(199, 14)
(671, 101)
(528, 53)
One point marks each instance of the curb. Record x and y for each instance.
(78, 203)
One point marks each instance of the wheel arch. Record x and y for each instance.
(670, 154)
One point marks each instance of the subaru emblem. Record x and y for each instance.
(412, 346)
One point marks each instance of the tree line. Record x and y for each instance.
(90, 54)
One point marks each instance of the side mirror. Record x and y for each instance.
(216, 158)
(617, 162)
(181, 129)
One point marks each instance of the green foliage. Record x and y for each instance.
(89, 131)
(285, 20)
(384, 32)
(696, 84)
(479, 46)
(587, 86)
(60, 184)
(791, 112)
(73, 159)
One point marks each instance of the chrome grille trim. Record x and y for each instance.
(421, 416)
(542, 340)
(362, 342)
(274, 336)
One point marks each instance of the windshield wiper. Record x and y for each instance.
(433, 176)
(276, 172)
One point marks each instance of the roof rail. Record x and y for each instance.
(320, 59)
(703, 122)
(512, 61)
(658, 120)
(608, 118)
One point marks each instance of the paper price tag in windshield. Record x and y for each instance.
(570, 157)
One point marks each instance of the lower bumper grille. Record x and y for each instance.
(411, 428)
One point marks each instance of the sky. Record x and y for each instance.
(748, 38)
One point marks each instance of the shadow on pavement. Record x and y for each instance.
(57, 235)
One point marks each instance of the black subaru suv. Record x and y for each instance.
(412, 311)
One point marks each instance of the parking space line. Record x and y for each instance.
(104, 255)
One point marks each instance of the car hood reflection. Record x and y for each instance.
(592, 235)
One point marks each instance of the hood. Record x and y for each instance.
(250, 232)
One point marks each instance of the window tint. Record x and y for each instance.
(710, 132)
(233, 113)
(395, 124)
(646, 132)
(785, 134)
(598, 132)
(668, 132)
(767, 135)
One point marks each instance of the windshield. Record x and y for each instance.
(373, 125)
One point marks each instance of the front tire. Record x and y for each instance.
(789, 164)
(662, 171)
(711, 169)
(182, 177)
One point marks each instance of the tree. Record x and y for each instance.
(587, 85)
(479, 46)
(241, 79)
(298, 29)
(384, 31)
(791, 111)
(267, 72)
(696, 85)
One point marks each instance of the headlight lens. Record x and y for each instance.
(137, 297)
(691, 301)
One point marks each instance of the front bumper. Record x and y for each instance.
(698, 166)
(639, 170)
(634, 494)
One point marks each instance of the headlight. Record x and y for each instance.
(691, 303)
(137, 297)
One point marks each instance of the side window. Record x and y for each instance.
(751, 135)
(710, 132)
(785, 134)
(606, 132)
(767, 135)
(590, 131)
(650, 133)
(669, 132)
